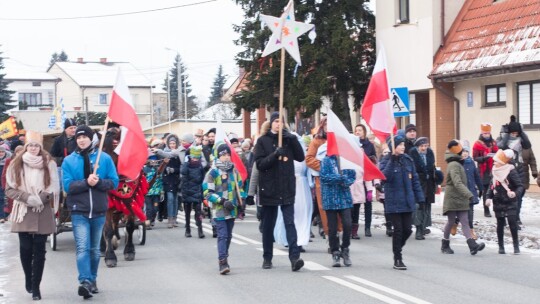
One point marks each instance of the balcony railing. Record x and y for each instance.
(24, 105)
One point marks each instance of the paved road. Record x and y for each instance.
(173, 269)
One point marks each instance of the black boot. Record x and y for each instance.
(188, 232)
(354, 232)
(445, 247)
(346, 257)
(474, 247)
(214, 231)
(336, 256)
(367, 232)
(389, 229)
(224, 267)
(500, 239)
(85, 290)
(200, 231)
(486, 211)
(419, 233)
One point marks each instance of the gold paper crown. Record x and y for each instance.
(485, 127)
(33, 137)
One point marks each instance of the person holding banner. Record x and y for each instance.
(87, 201)
(277, 187)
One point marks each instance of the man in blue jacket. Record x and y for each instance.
(88, 203)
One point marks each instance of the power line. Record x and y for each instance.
(108, 15)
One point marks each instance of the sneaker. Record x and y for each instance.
(224, 267)
(2, 221)
(267, 264)
(336, 256)
(297, 264)
(84, 290)
(427, 231)
(398, 264)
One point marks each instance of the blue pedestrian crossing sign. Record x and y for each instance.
(399, 98)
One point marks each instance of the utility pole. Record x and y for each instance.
(169, 102)
(179, 82)
(86, 109)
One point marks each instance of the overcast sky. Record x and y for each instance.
(202, 34)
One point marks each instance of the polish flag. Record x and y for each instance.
(376, 109)
(132, 151)
(221, 137)
(347, 146)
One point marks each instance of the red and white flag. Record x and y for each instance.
(376, 109)
(235, 158)
(347, 146)
(132, 151)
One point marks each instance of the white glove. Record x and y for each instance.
(488, 203)
(35, 203)
(511, 194)
(170, 170)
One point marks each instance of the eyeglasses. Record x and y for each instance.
(34, 146)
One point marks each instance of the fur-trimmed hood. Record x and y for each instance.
(265, 127)
(172, 137)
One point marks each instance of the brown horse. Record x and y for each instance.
(125, 203)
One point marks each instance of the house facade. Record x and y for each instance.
(33, 90)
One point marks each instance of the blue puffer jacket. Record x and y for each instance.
(402, 187)
(336, 194)
(192, 179)
(81, 198)
(474, 183)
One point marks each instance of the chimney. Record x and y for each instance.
(80, 60)
(103, 60)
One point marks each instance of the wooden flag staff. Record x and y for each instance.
(96, 165)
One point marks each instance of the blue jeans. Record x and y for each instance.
(224, 237)
(2, 203)
(269, 216)
(87, 233)
(172, 204)
(151, 204)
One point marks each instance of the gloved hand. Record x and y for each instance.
(379, 187)
(280, 151)
(250, 201)
(369, 196)
(169, 170)
(488, 203)
(535, 175)
(228, 205)
(35, 203)
(162, 196)
(511, 194)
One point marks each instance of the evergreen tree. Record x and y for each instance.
(177, 106)
(5, 94)
(62, 57)
(217, 87)
(94, 118)
(336, 65)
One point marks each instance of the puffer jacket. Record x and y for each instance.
(171, 181)
(474, 183)
(192, 177)
(457, 196)
(426, 173)
(336, 194)
(402, 186)
(502, 204)
(277, 182)
(81, 198)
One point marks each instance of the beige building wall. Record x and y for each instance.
(180, 127)
(67, 89)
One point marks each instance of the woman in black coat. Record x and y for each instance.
(192, 193)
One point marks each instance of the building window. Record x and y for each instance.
(495, 95)
(102, 99)
(36, 83)
(412, 108)
(403, 11)
(529, 103)
(30, 99)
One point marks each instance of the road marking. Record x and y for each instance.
(247, 239)
(363, 290)
(276, 251)
(314, 266)
(387, 290)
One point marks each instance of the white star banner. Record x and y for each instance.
(285, 32)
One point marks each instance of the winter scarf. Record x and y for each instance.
(223, 166)
(514, 143)
(32, 182)
(488, 142)
(85, 154)
(500, 174)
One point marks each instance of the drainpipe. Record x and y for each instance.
(442, 23)
(456, 108)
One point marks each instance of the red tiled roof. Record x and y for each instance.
(491, 35)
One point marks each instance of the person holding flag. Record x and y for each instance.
(277, 187)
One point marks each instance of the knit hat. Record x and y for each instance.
(69, 122)
(33, 137)
(466, 145)
(234, 140)
(246, 144)
(195, 151)
(503, 156)
(274, 116)
(410, 127)
(188, 137)
(397, 141)
(455, 147)
(223, 149)
(156, 142)
(421, 141)
(513, 125)
(84, 130)
(212, 130)
(199, 133)
(485, 127)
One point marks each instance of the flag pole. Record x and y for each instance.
(96, 166)
(240, 203)
(281, 91)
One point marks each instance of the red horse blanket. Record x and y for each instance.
(130, 195)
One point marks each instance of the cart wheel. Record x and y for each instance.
(53, 241)
(141, 233)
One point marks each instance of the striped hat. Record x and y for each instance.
(195, 151)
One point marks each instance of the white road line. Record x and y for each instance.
(276, 251)
(208, 228)
(388, 290)
(246, 239)
(363, 290)
(314, 266)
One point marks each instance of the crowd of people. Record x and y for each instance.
(291, 180)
